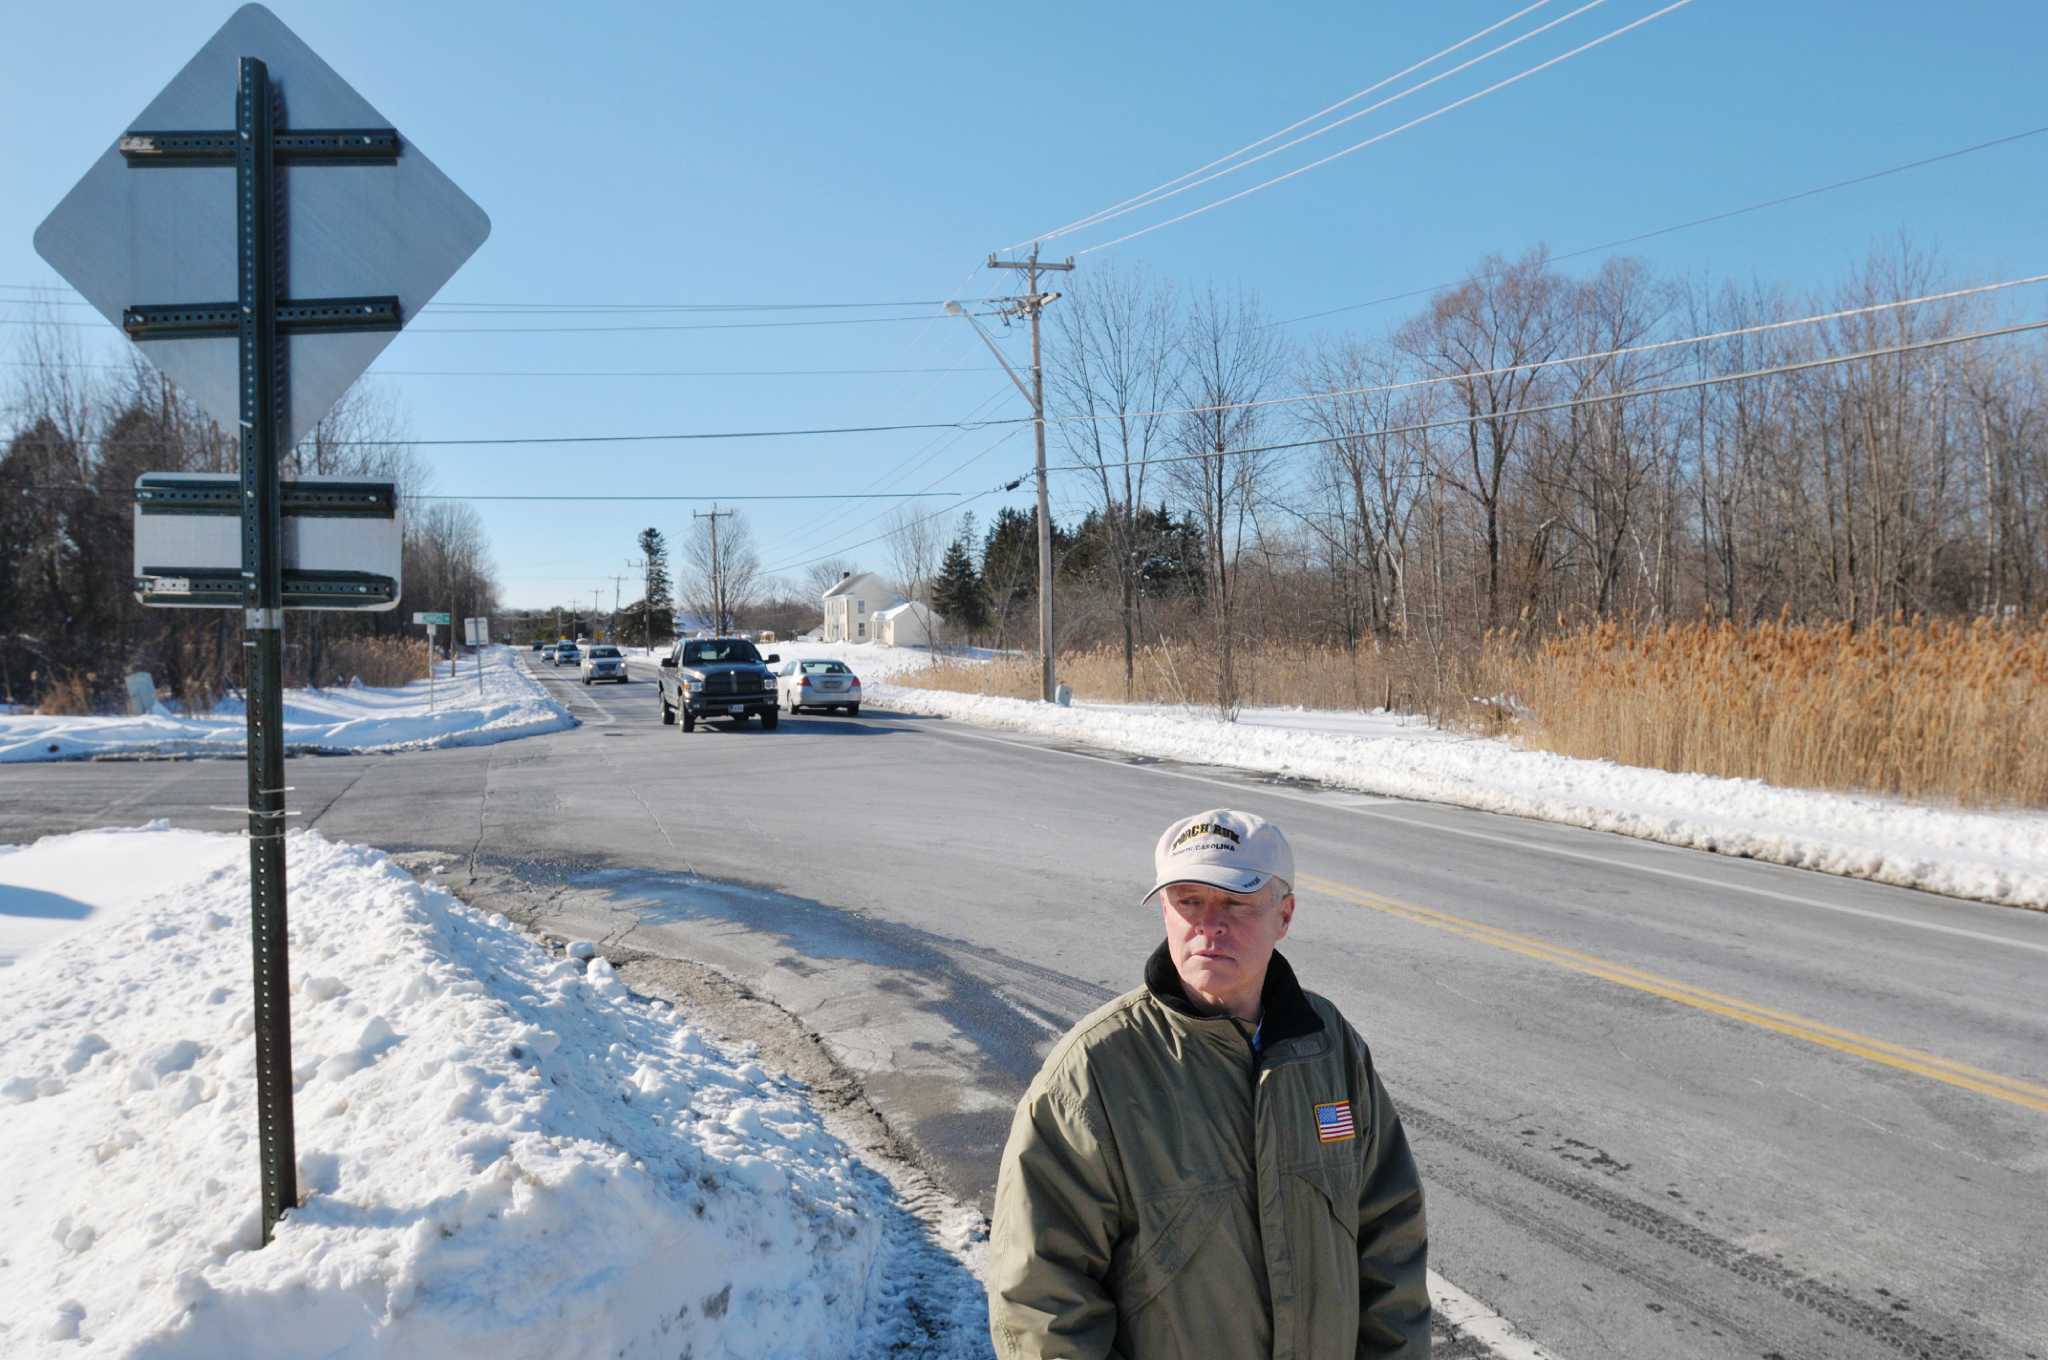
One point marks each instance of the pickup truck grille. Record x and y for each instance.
(726, 682)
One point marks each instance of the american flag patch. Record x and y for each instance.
(1333, 1122)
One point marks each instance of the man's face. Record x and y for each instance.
(1221, 941)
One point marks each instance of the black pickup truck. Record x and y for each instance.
(717, 678)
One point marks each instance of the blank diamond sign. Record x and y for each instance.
(128, 236)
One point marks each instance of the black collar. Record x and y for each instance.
(1284, 1012)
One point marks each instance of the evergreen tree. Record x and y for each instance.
(957, 594)
(657, 596)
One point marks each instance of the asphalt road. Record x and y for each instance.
(1666, 1104)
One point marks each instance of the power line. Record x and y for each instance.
(970, 424)
(545, 308)
(1648, 346)
(1391, 99)
(633, 498)
(912, 495)
(1711, 218)
(575, 373)
(578, 330)
(811, 527)
(1352, 98)
(1661, 389)
(1011, 485)
(1391, 132)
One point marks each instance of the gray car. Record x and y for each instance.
(818, 682)
(603, 662)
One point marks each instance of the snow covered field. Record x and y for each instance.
(504, 1153)
(329, 721)
(1997, 857)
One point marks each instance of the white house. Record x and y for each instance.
(904, 625)
(850, 601)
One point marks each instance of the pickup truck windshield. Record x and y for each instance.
(719, 652)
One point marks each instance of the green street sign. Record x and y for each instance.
(430, 618)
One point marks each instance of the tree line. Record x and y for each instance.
(1470, 468)
(77, 440)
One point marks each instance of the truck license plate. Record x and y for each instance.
(737, 708)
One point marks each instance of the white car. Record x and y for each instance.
(817, 683)
(566, 654)
(604, 662)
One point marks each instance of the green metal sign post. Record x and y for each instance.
(130, 232)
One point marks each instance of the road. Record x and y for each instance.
(1666, 1104)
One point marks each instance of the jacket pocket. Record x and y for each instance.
(1170, 1231)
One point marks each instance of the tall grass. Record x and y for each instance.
(385, 663)
(1922, 708)
(1927, 709)
(1402, 675)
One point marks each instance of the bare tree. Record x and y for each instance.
(1230, 359)
(1611, 457)
(820, 577)
(722, 573)
(1115, 369)
(1486, 335)
(917, 540)
(1371, 474)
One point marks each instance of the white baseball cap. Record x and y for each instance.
(1234, 851)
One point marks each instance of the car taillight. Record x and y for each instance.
(807, 682)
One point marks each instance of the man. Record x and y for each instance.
(1209, 1166)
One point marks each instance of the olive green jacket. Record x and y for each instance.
(1171, 1193)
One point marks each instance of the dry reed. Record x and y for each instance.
(1400, 675)
(71, 697)
(1927, 709)
(385, 663)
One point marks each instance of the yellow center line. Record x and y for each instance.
(1929, 1065)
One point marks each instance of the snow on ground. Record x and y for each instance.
(330, 721)
(504, 1153)
(71, 880)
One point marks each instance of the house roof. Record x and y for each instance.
(845, 585)
(898, 611)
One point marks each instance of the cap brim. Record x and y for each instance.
(1216, 876)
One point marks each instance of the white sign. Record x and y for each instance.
(476, 632)
(188, 542)
(126, 237)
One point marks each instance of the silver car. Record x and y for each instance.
(817, 682)
(602, 662)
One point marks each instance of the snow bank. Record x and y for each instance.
(328, 721)
(504, 1154)
(70, 882)
(1997, 857)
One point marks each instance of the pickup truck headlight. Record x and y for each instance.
(767, 682)
(695, 684)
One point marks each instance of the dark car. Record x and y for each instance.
(717, 678)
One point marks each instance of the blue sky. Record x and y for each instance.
(805, 153)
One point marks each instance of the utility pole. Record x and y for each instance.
(719, 624)
(646, 609)
(1032, 305)
(596, 594)
(617, 582)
